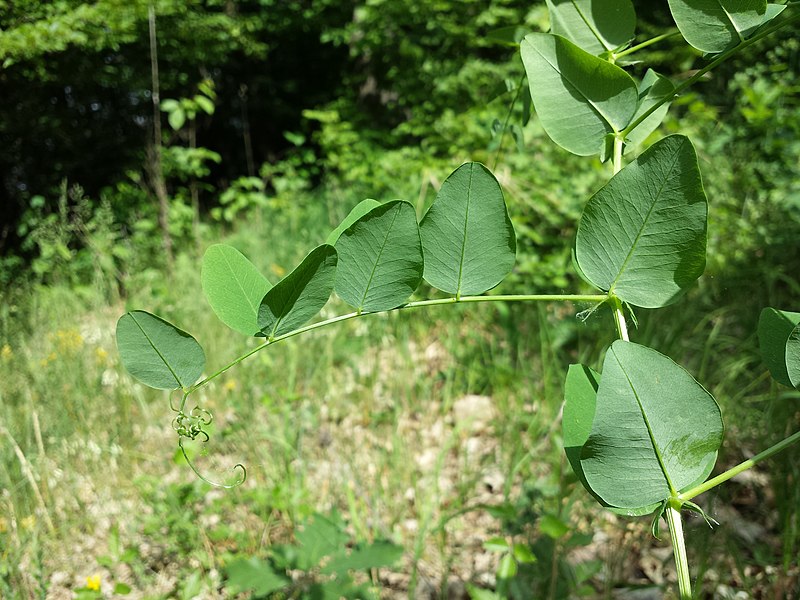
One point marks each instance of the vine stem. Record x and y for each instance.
(743, 466)
(679, 550)
(646, 43)
(597, 298)
(710, 66)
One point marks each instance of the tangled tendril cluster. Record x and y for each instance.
(190, 426)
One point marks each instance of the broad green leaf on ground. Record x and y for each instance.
(300, 295)
(643, 235)
(716, 25)
(380, 258)
(157, 353)
(253, 575)
(467, 238)
(655, 431)
(580, 399)
(320, 536)
(597, 26)
(371, 556)
(775, 329)
(233, 287)
(359, 210)
(652, 89)
(579, 97)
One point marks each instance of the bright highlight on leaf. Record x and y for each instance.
(157, 353)
(380, 258)
(359, 210)
(467, 237)
(779, 341)
(716, 25)
(656, 431)
(233, 287)
(643, 235)
(579, 98)
(597, 26)
(300, 295)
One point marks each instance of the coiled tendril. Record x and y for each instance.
(190, 426)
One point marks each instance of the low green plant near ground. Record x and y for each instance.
(643, 435)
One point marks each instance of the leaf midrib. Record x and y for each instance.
(241, 287)
(595, 33)
(650, 433)
(624, 264)
(378, 258)
(153, 346)
(466, 223)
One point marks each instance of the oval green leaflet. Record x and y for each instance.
(157, 353)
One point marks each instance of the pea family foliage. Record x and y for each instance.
(643, 435)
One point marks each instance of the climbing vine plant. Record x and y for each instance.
(643, 435)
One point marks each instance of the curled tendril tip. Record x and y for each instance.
(190, 426)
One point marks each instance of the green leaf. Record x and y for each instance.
(205, 104)
(169, 105)
(523, 554)
(380, 258)
(552, 526)
(476, 593)
(370, 556)
(507, 567)
(467, 237)
(596, 26)
(233, 287)
(655, 432)
(775, 330)
(176, 118)
(254, 575)
(496, 544)
(580, 399)
(793, 357)
(122, 589)
(579, 97)
(716, 25)
(157, 353)
(358, 211)
(300, 295)
(652, 90)
(320, 536)
(643, 235)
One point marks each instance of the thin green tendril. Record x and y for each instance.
(190, 426)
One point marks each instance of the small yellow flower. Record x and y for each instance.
(6, 353)
(230, 385)
(277, 270)
(28, 522)
(3, 525)
(101, 356)
(93, 583)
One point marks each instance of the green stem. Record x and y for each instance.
(673, 514)
(505, 124)
(748, 464)
(619, 318)
(646, 43)
(417, 304)
(616, 161)
(713, 64)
